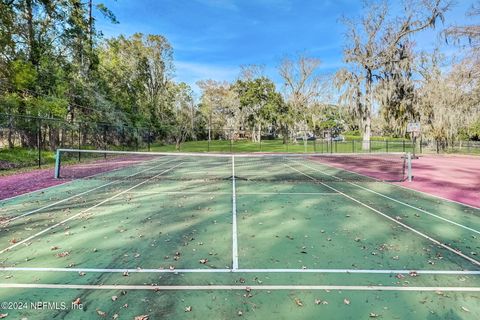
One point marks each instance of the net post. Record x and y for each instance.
(409, 167)
(57, 164)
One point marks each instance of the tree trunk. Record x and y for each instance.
(10, 133)
(33, 54)
(367, 113)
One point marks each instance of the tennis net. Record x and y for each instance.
(113, 165)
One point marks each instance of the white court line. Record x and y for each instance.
(395, 200)
(345, 271)
(77, 195)
(234, 219)
(238, 193)
(232, 287)
(58, 185)
(86, 210)
(394, 220)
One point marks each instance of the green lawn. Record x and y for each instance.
(277, 145)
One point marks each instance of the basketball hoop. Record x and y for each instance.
(414, 129)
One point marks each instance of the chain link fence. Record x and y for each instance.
(27, 141)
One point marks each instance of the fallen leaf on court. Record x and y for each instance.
(81, 273)
(13, 240)
(188, 309)
(171, 267)
(142, 317)
(8, 276)
(77, 301)
(3, 315)
(413, 274)
(248, 289)
(373, 315)
(114, 298)
(203, 261)
(298, 302)
(346, 301)
(240, 313)
(242, 280)
(125, 305)
(125, 274)
(54, 248)
(465, 309)
(63, 254)
(318, 301)
(101, 313)
(115, 316)
(399, 276)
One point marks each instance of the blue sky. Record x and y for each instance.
(212, 38)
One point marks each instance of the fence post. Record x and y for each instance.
(386, 145)
(149, 134)
(79, 141)
(105, 140)
(39, 142)
(353, 146)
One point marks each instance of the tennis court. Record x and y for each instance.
(221, 236)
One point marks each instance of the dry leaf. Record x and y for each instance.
(125, 274)
(346, 301)
(188, 309)
(3, 315)
(318, 301)
(413, 274)
(142, 317)
(101, 313)
(465, 309)
(115, 316)
(298, 302)
(77, 301)
(203, 261)
(373, 315)
(81, 273)
(114, 298)
(240, 313)
(63, 254)
(54, 248)
(12, 241)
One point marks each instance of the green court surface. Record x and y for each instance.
(220, 238)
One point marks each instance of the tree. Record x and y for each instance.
(372, 43)
(259, 103)
(184, 112)
(303, 87)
